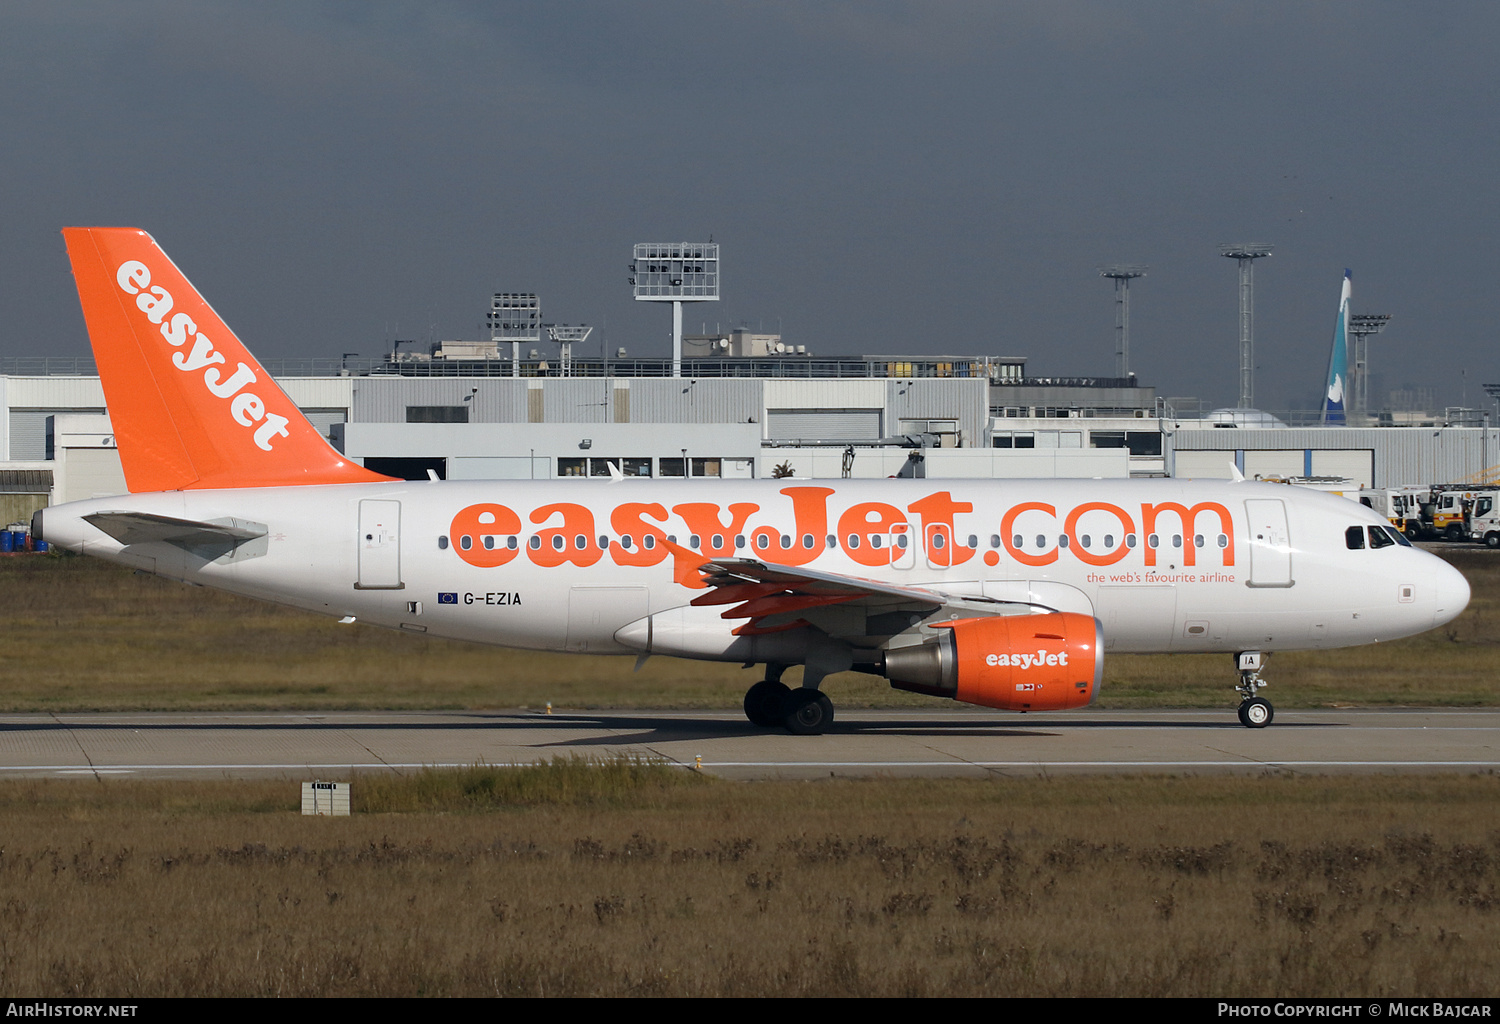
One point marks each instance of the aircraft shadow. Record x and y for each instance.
(618, 729)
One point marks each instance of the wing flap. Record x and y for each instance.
(773, 598)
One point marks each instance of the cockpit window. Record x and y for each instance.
(1379, 538)
(1354, 538)
(1400, 537)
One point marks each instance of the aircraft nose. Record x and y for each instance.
(1452, 592)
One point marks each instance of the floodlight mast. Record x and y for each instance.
(515, 317)
(1361, 326)
(1246, 255)
(676, 272)
(1122, 274)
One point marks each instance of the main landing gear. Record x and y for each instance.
(805, 711)
(1255, 712)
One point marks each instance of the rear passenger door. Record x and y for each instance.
(379, 545)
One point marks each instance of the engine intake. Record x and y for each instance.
(1047, 662)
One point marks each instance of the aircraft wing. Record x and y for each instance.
(141, 527)
(864, 612)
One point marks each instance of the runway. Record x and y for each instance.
(959, 743)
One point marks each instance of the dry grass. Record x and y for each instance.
(642, 884)
(81, 634)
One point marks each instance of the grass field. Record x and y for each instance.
(628, 879)
(80, 634)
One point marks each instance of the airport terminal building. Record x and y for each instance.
(730, 417)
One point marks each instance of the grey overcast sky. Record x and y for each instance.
(883, 176)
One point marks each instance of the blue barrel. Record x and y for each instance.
(41, 546)
(7, 541)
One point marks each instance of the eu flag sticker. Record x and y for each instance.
(447, 599)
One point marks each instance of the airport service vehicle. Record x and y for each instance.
(1403, 506)
(1000, 593)
(1453, 507)
(1484, 520)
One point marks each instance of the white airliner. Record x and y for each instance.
(1005, 593)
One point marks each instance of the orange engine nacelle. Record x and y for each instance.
(1047, 662)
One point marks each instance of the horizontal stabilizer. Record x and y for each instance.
(142, 527)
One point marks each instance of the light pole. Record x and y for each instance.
(1246, 255)
(676, 272)
(1122, 274)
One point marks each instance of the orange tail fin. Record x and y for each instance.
(189, 405)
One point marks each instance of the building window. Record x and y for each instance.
(437, 414)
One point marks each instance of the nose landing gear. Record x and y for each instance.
(1255, 712)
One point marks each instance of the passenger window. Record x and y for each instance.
(1130, 540)
(693, 540)
(442, 543)
(1223, 541)
(973, 541)
(853, 540)
(625, 541)
(535, 541)
(1354, 538)
(1378, 538)
(1177, 540)
(994, 540)
(1019, 540)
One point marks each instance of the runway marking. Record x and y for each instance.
(97, 771)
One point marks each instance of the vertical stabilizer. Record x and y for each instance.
(1338, 360)
(189, 405)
